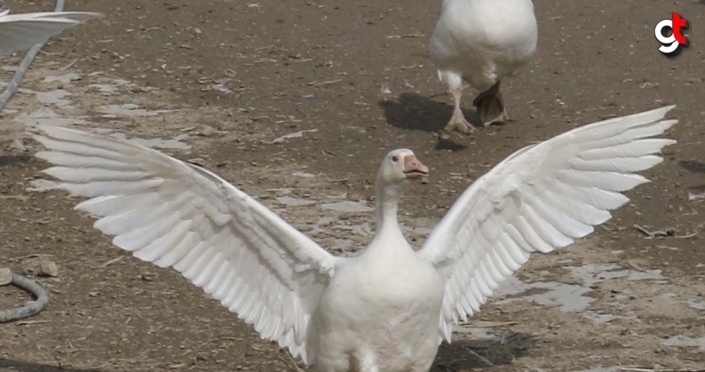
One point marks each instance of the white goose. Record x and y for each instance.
(481, 42)
(21, 31)
(388, 309)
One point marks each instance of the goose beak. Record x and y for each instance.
(413, 168)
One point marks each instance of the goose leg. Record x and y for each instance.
(455, 85)
(490, 107)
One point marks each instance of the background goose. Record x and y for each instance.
(481, 42)
(389, 308)
(21, 31)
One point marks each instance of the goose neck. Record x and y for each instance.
(387, 205)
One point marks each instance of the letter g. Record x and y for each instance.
(669, 42)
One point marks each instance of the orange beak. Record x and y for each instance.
(413, 168)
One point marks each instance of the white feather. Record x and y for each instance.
(539, 199)
(483, 41)
(22, 31)
(176, 214)
(331, 310)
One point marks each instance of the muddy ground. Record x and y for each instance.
(218, 82)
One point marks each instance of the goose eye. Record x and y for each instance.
(395, 158)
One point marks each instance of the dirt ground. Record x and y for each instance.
(220, 83)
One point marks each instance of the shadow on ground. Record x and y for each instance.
(470, 355)
(448, 144)
(8, 160)
(694, 167)
(19, 366)
(416, 112)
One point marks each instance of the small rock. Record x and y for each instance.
(5, 276)
(303, 175)
(48, 268)
(206, 131)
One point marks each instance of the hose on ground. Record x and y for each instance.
(30, 308)
(19, 74)
(41, 298)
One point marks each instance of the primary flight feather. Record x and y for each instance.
(389, 308)
(22, 31)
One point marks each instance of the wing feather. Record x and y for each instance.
(178, 215)
(22, 31)
(540, 198)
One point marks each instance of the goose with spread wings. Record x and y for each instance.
(389, 308)
(22, 31)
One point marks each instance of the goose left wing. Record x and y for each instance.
(540, 198)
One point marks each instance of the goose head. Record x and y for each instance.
(397, 167)
(400, 165)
